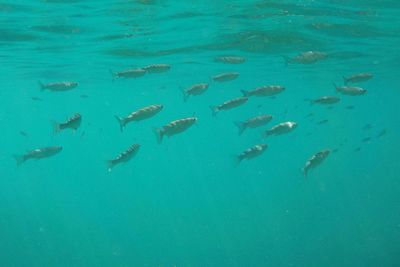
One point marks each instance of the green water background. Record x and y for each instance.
(184, 203)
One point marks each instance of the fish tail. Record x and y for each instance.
(20, 159)
(245, 93)
(159, 134)
(214, 110)
(121, 122)
(110, 165)
(305, 172)
(335, 85)
(241, 126)
(286, 59)
(237, 160)
(41, 86)
(345, 80)
(185, 95)
(266, 134)
(56, 127)
(113, 75)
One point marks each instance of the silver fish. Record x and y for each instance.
(315, 160)
(325, 100)
(38, 153)
(174, 127)
(350, 90)
(281, 128)
(72, 123)
(359, 77)
(230, 59)
(252, 152)
(233, 103)
(124, 156)
(194, 90)
(131, 73)
(308, 57)
(58, 86)
(141, 114)
(267, 90)
(224, 77)
(157, 68)
(253, 122)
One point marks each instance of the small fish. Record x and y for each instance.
(157, 68)
(253, 122)
(123, 157)
(366, 139)
(131, 73)
(233, 103)
(357, 149)
(58, 86)
(194, 90)
(38, 153)
(315, 161)
(325, 100)
(350, 107)
(23, 133)
(281, 128)
(359, 77)
(224, 77)
(230, 59)
(367, 126)
(141, 114)
(322, 122)
(350, 90)
(251, 152)
(381, 133)
(36, 98)
(174, 127)
(72, 123)
(84, 96)
(308, 57)
(267, 90)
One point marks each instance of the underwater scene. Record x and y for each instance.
(200, 133)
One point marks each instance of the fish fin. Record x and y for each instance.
(335, 85)
(237, 160)
(265, 134)
(56, 127)
(305, 172)
(121, 122)
(245, 93)
(113, 74)
(20, 159)
(214, 110)
(241, 126)
(41, 86)
(159, 134)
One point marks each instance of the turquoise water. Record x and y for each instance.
(184, 202)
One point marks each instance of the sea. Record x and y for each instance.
(325, 192)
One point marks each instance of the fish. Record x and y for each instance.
(315, 161)
(350, 90)
(38, 153)
(123, 157)
(253, 122)
(157, 68)
(359, 77)
(58, 86)
(194, 90)
(73, 123)
(131, 73)
(366, 139)
(281, 128)
(23, 133)
(381, 133)
(224, 77)
(325, 100)
(350, 107)
(138, 115)
(36, 98)
(230, 59)
(174, 127)
(266, 90)
(308, 57)
(251, 152)
(322, 122)
(233, 103)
